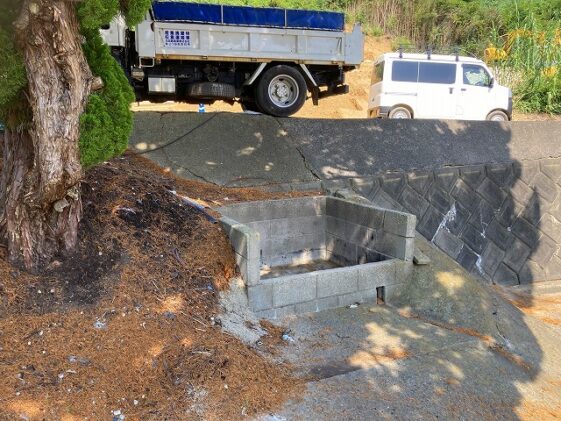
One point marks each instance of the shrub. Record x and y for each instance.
(106, 124)
(107, 121)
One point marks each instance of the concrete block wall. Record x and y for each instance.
(322, 290)
(372, 243)
(359, 233)
(245, 242)
(501, 221)
(291, 231)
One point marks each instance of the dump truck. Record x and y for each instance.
(269, 59)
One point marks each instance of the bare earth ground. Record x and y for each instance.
(125, 325)
(352, 105)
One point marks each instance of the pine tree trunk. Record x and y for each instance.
(40, 203)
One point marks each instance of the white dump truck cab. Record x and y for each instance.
(406, 85)
(269, 59)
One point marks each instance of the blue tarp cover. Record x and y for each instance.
(247, 16)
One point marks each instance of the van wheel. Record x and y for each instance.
(400, 112)
(281, 91)
(497, 116)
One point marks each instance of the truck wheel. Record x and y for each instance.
(497, 116)
(400, 112)
(281, 91)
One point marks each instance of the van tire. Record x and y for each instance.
(400, 113)
(288, 96)
(497, 115)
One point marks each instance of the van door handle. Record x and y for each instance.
(451, 90)
(463, 89)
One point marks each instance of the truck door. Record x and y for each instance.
(476, 92)
(437, 90)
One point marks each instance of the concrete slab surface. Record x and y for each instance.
(237, 149)
(222, 148)
(453, 347)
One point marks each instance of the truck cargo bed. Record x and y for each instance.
(169, 11)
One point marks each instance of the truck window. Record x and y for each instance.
(475, 75)
(437, 73)
(405, 71)
(378, 73)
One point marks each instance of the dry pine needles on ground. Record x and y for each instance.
(123, 326)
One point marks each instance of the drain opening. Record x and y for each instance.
(380, 295)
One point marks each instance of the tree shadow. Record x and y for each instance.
(452, 346)
(484, 197)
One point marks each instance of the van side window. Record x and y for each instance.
(475, 75)
(405, 71)
(378, 73)
(437, 73)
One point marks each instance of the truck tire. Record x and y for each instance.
(281, 91)
(497, 115)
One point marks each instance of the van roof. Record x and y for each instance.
(423, 56)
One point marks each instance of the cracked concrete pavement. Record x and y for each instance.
(450, 347)
(226, 149)
(238, 149)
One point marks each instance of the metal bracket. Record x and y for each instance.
(255, 74)
(315, 95)
(307, 73)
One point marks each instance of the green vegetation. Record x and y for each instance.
(12, 71)
(107, 121)
(106, 124)
(526, 31)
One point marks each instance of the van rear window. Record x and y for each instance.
(437, 73)
(405, 71)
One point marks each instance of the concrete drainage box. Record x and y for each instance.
(313, 253)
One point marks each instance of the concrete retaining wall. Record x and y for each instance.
(374, 245)
(500, 221)
(485, 193)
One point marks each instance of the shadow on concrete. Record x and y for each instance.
(228, 149)
(453, 348)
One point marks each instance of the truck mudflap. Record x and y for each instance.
(335, 90)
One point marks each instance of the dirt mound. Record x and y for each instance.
(126, 326)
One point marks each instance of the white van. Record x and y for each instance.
(436, 86)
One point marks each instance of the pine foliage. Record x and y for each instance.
(106, 124)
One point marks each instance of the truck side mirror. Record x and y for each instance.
(105, 27)
(492, 82)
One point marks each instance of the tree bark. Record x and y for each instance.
(40, 202)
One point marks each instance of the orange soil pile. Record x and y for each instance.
(126, 326)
